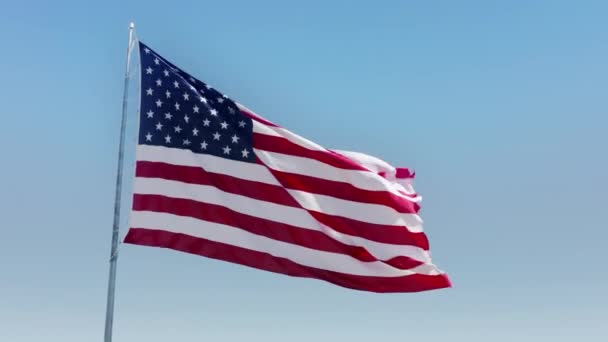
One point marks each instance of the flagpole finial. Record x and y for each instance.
(131, 25)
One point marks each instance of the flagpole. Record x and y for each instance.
(117, 196)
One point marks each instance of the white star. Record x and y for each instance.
(186, 118)
(178, 129)
(168, 94)
(192, 79)
(150, 113)
(203, 99)
(186, 97)
(159, 126)
(168, 139)
(195, 109)
(224, 125)
(186, 142)
(241, 123)
(148, 137)
(156, 61)
(216, 136)
(213, 112)
(159, 82)
(168, 116)
(149, 71)
(159, 103)
(220, 99)
(195, 131)
(245, 153)
(147, 51)
(204, 145)
(176, 106)
(235, 139)
(231, 110)
(206, 122)
(149, 91)
(176, 84)
(226, 150)
(166, 72)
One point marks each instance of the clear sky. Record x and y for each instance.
(500, 106)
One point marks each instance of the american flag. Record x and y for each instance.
(217, 180)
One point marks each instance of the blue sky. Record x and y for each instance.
(500, 107)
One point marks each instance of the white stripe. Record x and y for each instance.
(314, 168)
(210, 163)
(236, 237)
(271, 211)
(261, 128)
(365, 212)
(378, 165)
(374, 164)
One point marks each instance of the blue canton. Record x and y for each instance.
(180, 111)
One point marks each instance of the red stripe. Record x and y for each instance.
(403, 172)
(267, 262)
(404, 263)
(397, 235)
(282, 145)
(259, 226)
(198, 175)
(257, 117)
(345, 191)
(400, 173)
(265, 192)
(256, 225)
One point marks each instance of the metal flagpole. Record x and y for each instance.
(116, 225)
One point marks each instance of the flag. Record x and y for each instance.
(217, 180)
